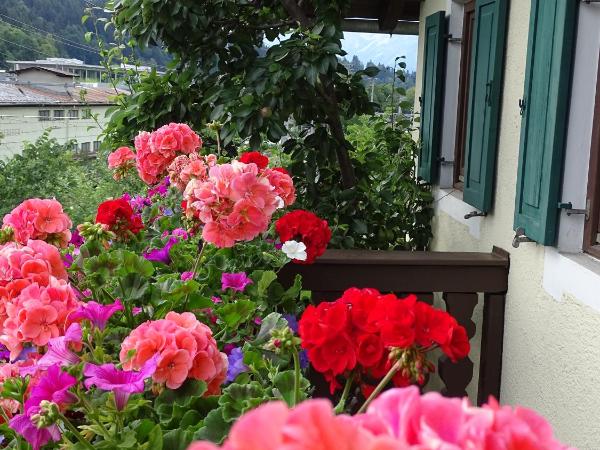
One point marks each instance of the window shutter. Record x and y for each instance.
(485, 91)
(545, 115)
(431, 96)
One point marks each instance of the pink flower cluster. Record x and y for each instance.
(156, 150)
(400, 419)
(120, 161)
(236, 201)
(42, 219)
(186, 167)
(35, 298)
(186, 348)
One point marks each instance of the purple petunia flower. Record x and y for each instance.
(181, 233)
(292, 322)
(76, 238)
(122, 383)
(67, 260)
(54, 387)
(162, 254)
(160, 189)
(236, 364)
(97, 313)
(4, 353)
(235, 281)
(37, 437)
(136, 310)
(138, 203)
(186, 276)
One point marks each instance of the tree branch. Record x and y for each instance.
(296, 12)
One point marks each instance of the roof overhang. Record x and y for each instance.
(383, 16)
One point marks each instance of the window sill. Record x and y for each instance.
(575, 274)
(450, 201)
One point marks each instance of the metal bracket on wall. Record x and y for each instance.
(522, 106)
(443, 161)
(475, 214)
(568, 207)
(449, 38)
(520, 237)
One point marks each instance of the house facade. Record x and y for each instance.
(509, 99)
(39, 99)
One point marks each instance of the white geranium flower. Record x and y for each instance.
(294, 250)
(280, 202)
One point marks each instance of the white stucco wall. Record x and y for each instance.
(552, 332)
(19, 124)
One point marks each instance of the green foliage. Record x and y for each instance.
(221, 73)
(25, 23)
(47, 169)
(388, 208)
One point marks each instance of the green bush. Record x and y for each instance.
(388, 209)
(47, 169)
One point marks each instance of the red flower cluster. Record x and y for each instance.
(368, 331)
(257, 158)
(118, 215)
(304, 226)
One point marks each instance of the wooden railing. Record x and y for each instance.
(461, 278)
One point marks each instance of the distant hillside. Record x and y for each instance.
(36, 29)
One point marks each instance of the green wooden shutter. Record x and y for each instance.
(543, 127)
(487, 64)
(431, 96)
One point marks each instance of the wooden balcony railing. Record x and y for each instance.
(461, 278)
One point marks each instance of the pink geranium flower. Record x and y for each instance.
(122, 383)
(173, 368)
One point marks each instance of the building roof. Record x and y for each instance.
(383, 16)
(29, 94)
(57, 72)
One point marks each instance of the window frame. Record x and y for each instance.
(85, 147)
(73, 114)
(44, 117)
(58, 114)
(592, 222)
(462, 114)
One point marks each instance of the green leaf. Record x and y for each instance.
(265, 281)
(234, 314)
(214, 428)
(178, 439)
(283, 385)
(155, 438)
(271, 322)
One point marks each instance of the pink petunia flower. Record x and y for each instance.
(122, 383)
(235, 281)
(53, 386)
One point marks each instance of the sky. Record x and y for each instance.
(381, 48)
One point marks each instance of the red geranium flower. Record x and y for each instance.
(305, 227)
(119, 216)
(282, 170)
(364, 333)
(257, 158)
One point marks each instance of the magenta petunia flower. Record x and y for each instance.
(53, 386)
(122, 383)
(235, 281)
(161, 254)
(186, 276)
(37, 437)
(96, 313)
(136, 310)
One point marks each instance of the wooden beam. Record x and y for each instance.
(390, 11)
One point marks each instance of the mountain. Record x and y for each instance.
(37, 29)
(381, 48)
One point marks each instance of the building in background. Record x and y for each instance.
(510, 133)
(85, 72)
(35, 99)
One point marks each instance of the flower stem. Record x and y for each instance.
(383, 383)
(339, 408)
(297, 376)
(201, 247)
(76, 432)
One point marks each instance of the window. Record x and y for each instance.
(591, 232)
(59, 114)
(87, 113)
(463, 94)
(43, 115)
(73, 114)
(96, 146)
(85, 147)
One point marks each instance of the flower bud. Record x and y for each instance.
(7, 234)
